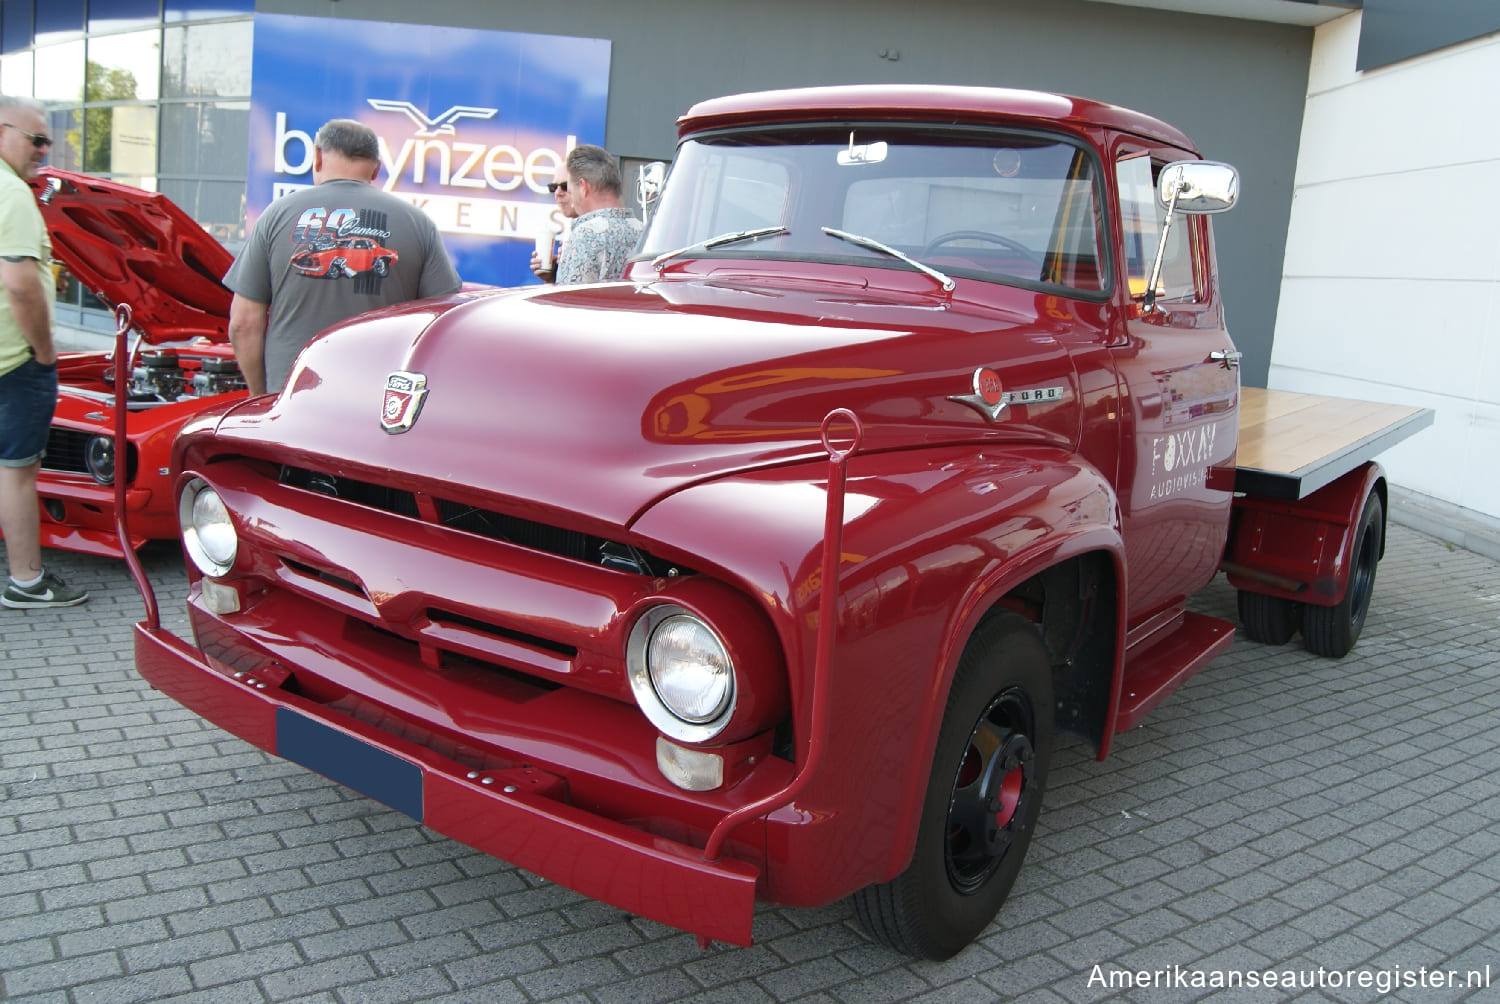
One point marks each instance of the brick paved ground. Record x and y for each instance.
(1280, 812)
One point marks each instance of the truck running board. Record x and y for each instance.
(1165, 660)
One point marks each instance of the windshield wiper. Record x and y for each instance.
(874, 245)
(713, 242)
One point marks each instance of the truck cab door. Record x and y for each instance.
(1179, 381)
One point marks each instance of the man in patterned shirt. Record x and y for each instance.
(605, 234)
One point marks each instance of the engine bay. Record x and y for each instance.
(167, 374)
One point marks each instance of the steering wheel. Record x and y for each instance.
(981, 235)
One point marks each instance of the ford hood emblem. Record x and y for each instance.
(403, 400)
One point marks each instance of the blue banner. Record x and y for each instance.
(472, 124)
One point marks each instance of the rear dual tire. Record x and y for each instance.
(1327, 631)
(1332, 631)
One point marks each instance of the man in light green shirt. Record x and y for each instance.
(28, 357)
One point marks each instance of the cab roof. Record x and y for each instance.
(926, 103)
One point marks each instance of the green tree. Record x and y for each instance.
(102, 84)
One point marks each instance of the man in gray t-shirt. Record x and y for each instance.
(318, 256)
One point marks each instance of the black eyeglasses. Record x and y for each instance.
(37, 139)
(557, 186)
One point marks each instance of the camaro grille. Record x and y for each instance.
(66, 449)
(526, 533)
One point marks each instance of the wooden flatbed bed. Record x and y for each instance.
(1293, 444)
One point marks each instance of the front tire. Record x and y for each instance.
(983, 797)
(1332, 631)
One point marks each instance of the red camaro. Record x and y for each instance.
(131, 247)
(333, 259)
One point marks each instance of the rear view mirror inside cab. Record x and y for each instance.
(862, 153)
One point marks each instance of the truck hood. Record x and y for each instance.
(130, 246)
(597, 400)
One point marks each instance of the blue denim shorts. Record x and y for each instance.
(28, 397)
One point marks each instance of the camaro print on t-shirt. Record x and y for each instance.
(339, 243)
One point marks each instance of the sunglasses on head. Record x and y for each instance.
(37, 139)
(557, 186)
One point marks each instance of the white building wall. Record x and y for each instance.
(1391, 285)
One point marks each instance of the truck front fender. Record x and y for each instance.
(933, 540)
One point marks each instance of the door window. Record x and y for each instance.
(1141, 224)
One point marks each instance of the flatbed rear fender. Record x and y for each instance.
(1301, 550)
(933, 541)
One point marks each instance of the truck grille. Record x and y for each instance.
(488, 523)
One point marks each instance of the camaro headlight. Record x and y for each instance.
(208, 534)
(99, 458)
(680, 673)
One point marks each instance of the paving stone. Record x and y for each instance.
(58, 974)
(1280, 810)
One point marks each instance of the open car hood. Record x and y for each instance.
(131, 246)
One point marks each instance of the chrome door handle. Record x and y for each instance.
(1229, 360)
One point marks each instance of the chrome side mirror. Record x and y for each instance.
(648, 186)
(1190, 187)
(1198, 186)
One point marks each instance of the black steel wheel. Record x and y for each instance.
(1270, 620)
(984, 793)
(1332, 631)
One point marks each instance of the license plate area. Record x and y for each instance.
(352, 762)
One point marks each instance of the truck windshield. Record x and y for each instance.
(1003, 207)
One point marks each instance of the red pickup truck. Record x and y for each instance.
(772, 571)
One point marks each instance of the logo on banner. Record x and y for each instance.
(428, 127)
(457, 134)
(403, 399)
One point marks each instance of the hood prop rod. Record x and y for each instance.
(817, 726)
(123, 319)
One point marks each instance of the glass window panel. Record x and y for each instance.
(1141, 222)
(218, 205)
(112, 15)
(15, 26)
(191, 10)
(121, 67)
(59, 72)
(66, 125)
(15, 74)
(67, 286)
(211, 138)
(207, 60)
(57, 19)
(121, 142)
(77, 306)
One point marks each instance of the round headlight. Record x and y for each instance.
(208, 534)
(99, 458)
(681, 674)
